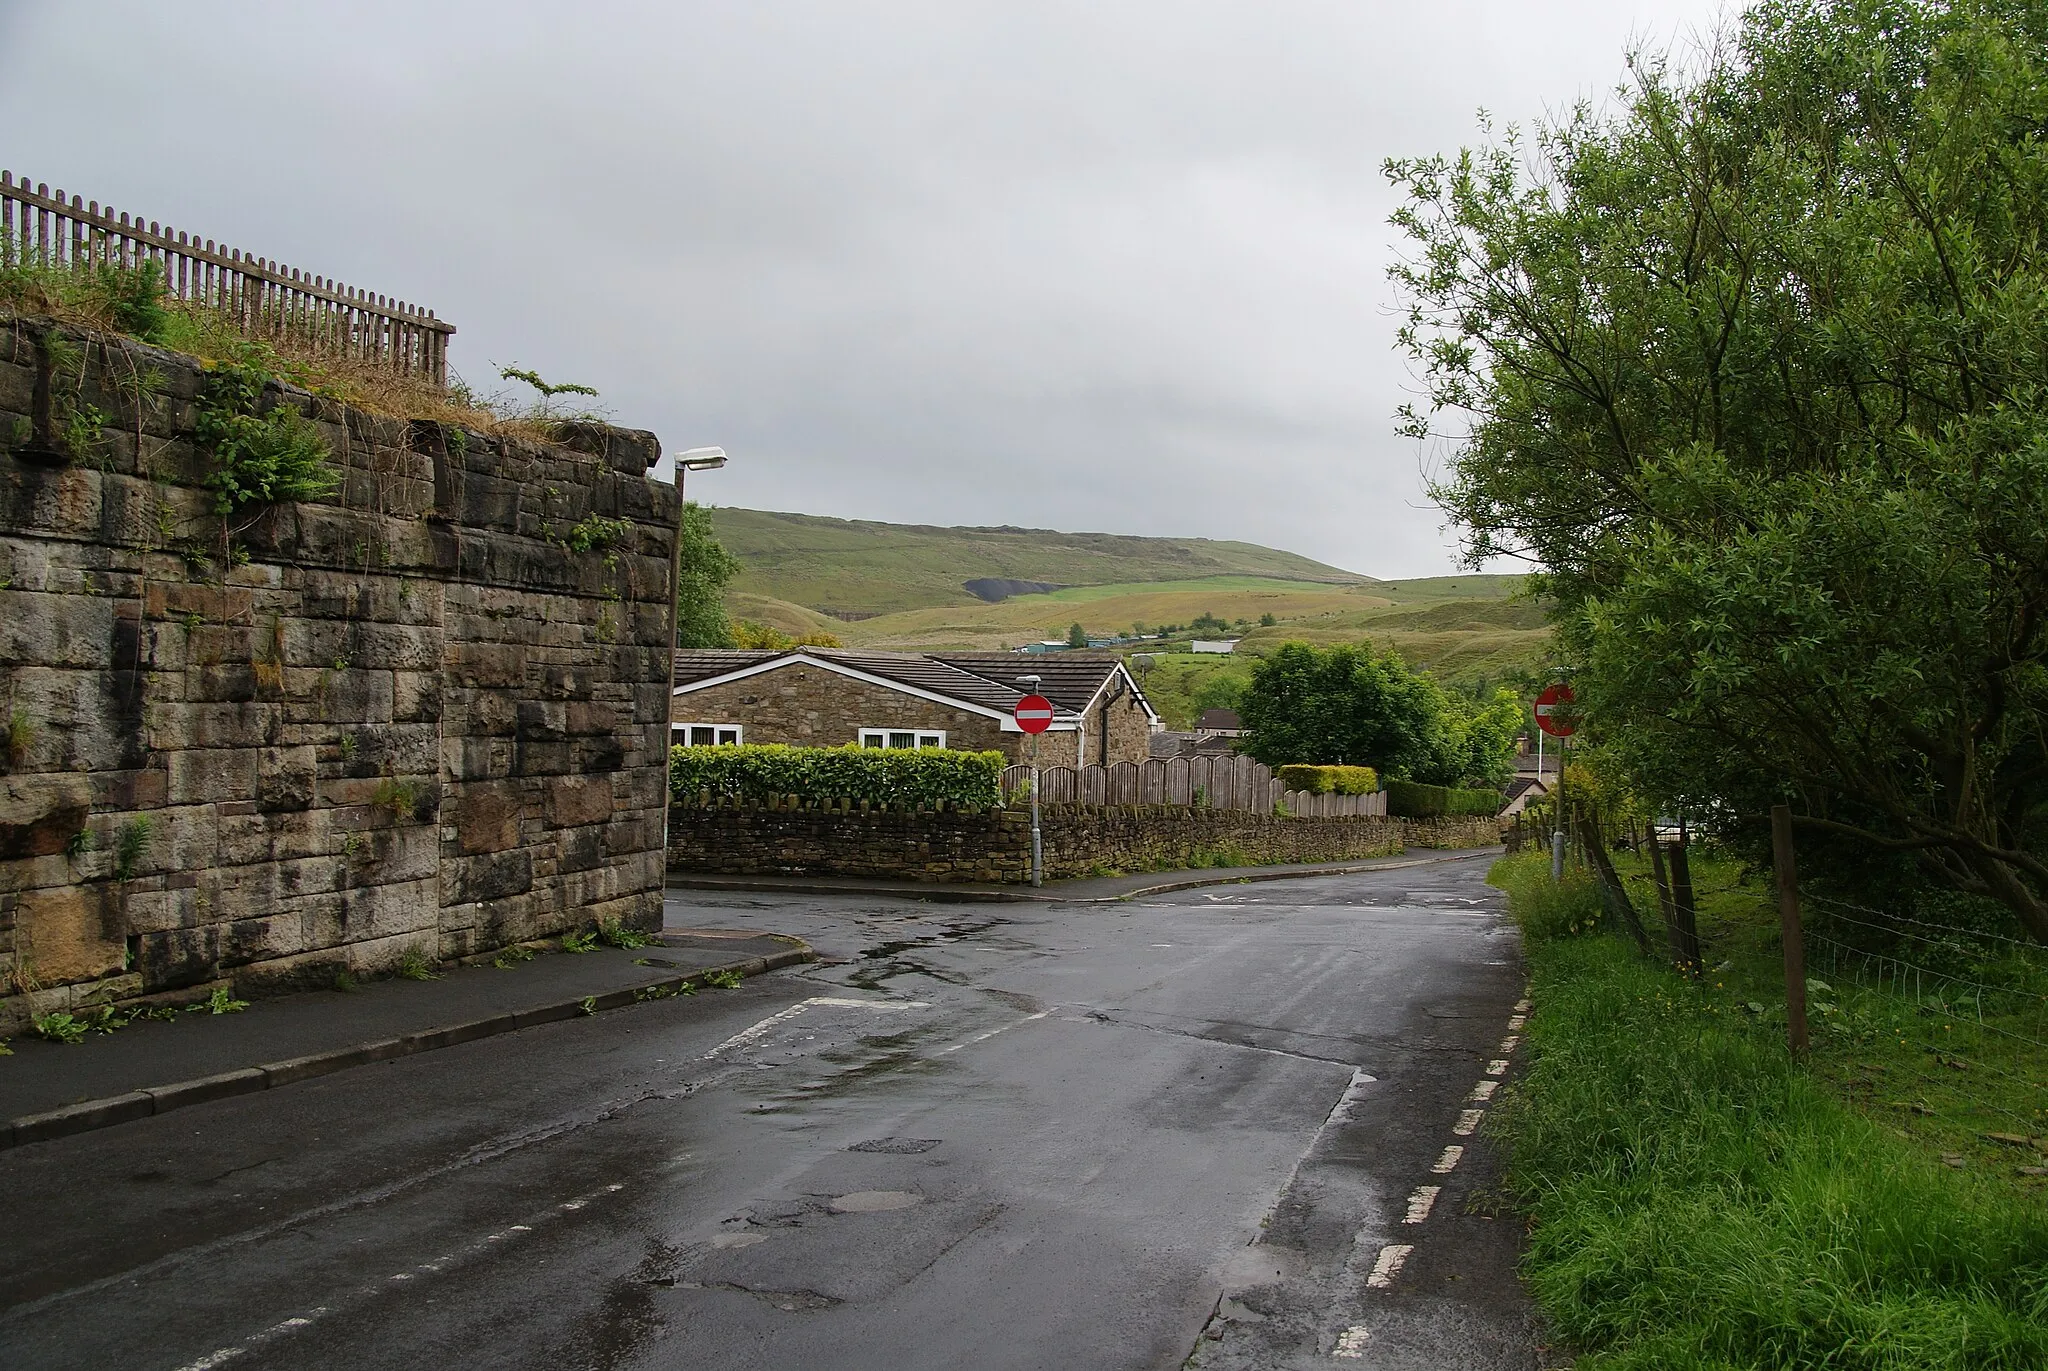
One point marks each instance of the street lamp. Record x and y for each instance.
(702, 459)
(1030, 684)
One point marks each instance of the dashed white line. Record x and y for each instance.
(1448, 1162)
(1389, 1265)
(984, 1037)
(1351, 1342)
(747, 1035)
(1482, 1092)
(1468, 1122)
(1421, 1202)
(1497, 1067)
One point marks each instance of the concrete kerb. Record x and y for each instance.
(161, 1099)
(940, 893)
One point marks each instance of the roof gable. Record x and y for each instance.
(926, 677)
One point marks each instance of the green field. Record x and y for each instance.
(901, 588)
(850, 568)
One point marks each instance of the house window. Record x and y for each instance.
(901, 737)
(705, 735)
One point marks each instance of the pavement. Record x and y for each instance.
(49, 1089)
(1210, 1128)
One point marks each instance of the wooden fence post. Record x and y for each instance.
(1691, 960)
(1788, 927)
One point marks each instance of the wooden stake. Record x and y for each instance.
(1788, 927)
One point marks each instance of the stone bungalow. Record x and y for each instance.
(830, 697)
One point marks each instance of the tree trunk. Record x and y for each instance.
(1618, 903)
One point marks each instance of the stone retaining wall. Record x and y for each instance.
(754, 839)
(406, 719)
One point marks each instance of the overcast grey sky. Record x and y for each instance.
(1104, 266)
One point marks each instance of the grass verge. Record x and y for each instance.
(1697, 1201)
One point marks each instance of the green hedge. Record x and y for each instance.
(1326, 780)
(1413, 800)
(882, 776)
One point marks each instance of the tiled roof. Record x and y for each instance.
(1068, 679)
(923, 673)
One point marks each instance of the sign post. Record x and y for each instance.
(1553, 716)
(1034, 716)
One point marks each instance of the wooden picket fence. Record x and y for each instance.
(1237, 783)
(265, 299)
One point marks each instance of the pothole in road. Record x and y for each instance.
(874, 1201)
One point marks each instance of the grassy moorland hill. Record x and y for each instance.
(902, 588)
(852, 568)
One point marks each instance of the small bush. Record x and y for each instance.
(1330, 780)
(415, 966)
(1413, 800)
(883, 776)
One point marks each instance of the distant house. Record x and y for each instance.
(830, 697)
(1219, 723)
(1223, 646)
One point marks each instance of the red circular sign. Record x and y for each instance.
(1549, 705)
(1034, 713)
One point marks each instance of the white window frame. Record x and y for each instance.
(920, 738)
(679, 735)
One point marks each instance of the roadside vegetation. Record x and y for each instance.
(133, 302)
(1698, 1200)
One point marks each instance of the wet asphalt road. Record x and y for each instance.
(1190, 1129)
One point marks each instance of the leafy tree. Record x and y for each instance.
(703, 571)
(1077, 636)
(1267, 620)
(1206, 622)
(1351, 706)
(1220, 690)
(1753, 372)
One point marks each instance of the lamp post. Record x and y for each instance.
(1030, 684)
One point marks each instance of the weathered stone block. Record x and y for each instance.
(70, 934)
(487, 818)
(40, 813)
(576, 800)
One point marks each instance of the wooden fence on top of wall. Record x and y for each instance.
(265, 299)
(1214, 782)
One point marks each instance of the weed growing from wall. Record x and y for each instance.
(258, 458)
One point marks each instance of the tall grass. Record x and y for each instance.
(1698, 1201)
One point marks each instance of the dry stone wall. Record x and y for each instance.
(407, 719)
(794, 838)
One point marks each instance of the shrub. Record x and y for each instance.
(884, 776)
(1413, 800)
(1327, 780)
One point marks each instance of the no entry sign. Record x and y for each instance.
(1034, 713)
(1553, 710)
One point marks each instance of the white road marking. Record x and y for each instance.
(1509, 1044)
(1351, 1342)
(213, 1359)
(1468, 1121)
(748, 1035)
(1389, 1265)
(984, 1037)
(1516, 1024)
(1482, 1092)
(1497, 1067)
(1421, 1202)
(1448, 1162)
(1521, 1006)
(1340, 1112)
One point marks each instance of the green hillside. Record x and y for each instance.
(854, 568)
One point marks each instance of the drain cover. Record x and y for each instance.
(900, 1146)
